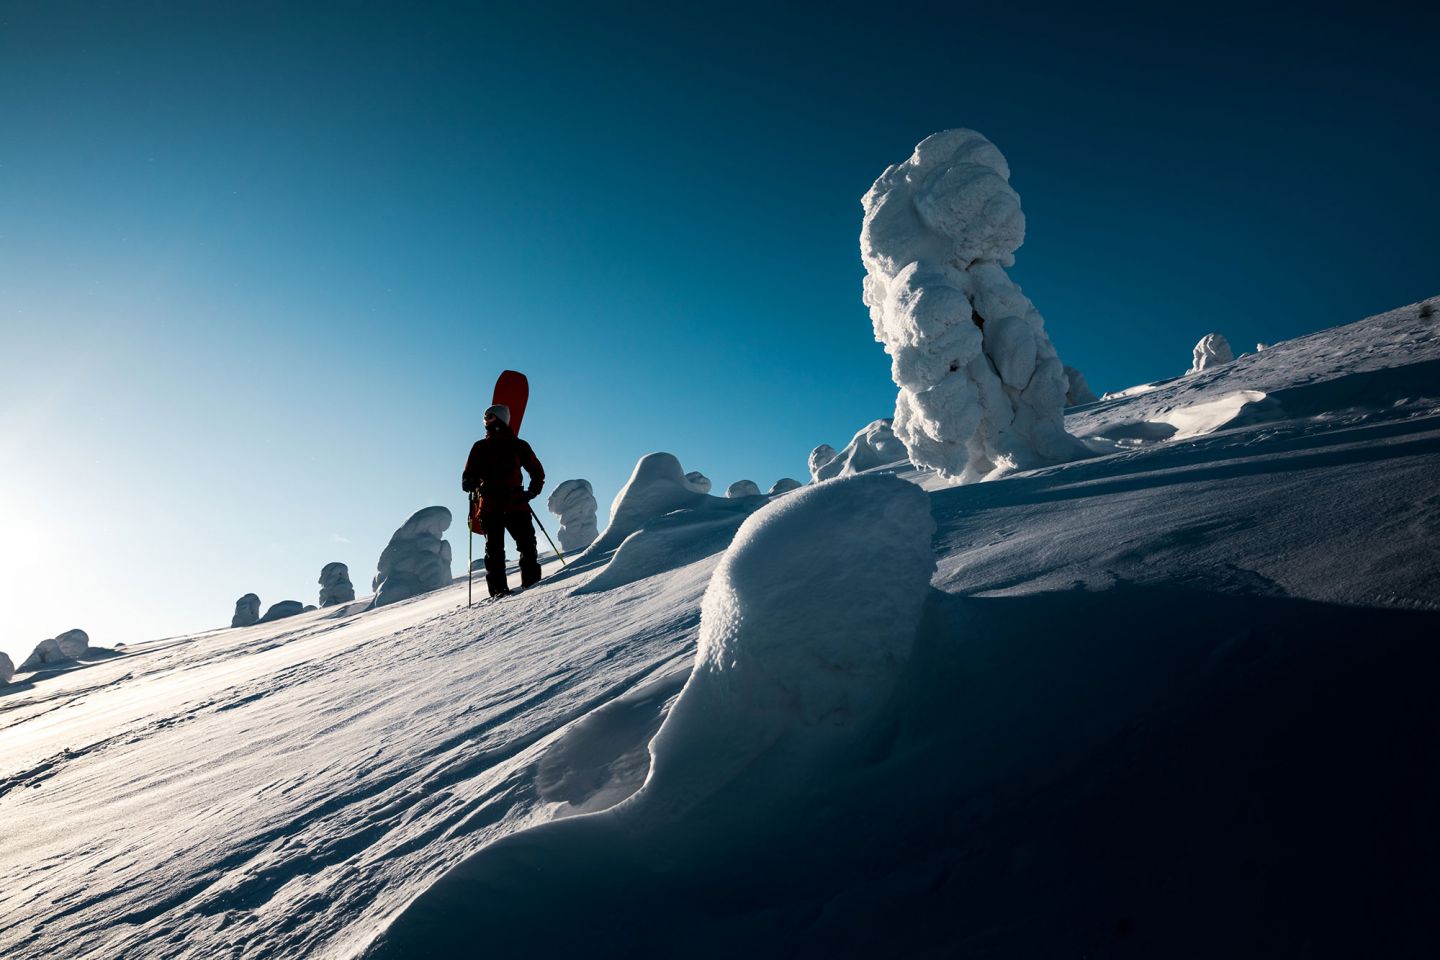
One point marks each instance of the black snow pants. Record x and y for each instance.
(523, 531)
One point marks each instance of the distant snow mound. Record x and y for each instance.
(801, 634)
(47, 653)
(7, 668)
(574, 503)
(657, 486)
(283, 609)
(982, 390)
(416, 560)
(247, 611)
(785, 485)
(335, 585)
(875, 445)
(1078, 391)
(742, 488)
(73, 643)
(1212, 350)
(820, 456)
(698, 481)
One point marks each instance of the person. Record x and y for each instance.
(492, 473)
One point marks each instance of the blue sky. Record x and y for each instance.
(259, 267)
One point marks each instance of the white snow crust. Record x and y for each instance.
(982, 391)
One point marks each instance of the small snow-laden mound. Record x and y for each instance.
(657, 486)
(1212, 350)
(47, 653)
(743, 488)
(335, 585)
(73, 643)
(698, 481)
(283, 609)
(874, 445)
(982, 391)
(573, 502)
(416, 560)
(803, 634)
(7, 668)
(247, 611)
(784, 485)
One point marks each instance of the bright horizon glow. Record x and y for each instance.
(259, 267)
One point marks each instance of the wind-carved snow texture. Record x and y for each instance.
(1077, 390)
(416, 560)
(247, 611)
(982, 391)
(7, 668)
(785, 485)
(1212, 350)
(742, 488)
(335, 585)
(802, 636)
(875, 445)
(574, 503)
(698, 481)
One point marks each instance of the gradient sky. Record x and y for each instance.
(261, 263)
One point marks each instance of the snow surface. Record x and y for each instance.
(982, 391)
(574, 503)
(1172, 700)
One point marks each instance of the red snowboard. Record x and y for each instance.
(513, 390)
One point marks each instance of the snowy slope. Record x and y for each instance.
(1174, 700)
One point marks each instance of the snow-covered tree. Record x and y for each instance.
(982, 390)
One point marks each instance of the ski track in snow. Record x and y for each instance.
(284, 790)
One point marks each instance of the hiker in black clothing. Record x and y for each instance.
(500, 501)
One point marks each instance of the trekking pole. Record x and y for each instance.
(547, 536)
